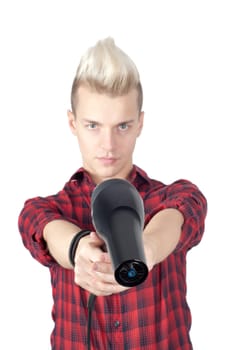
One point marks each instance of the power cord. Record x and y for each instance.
(90, 306)
(92, 297)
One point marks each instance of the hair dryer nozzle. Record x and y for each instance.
(131, 273)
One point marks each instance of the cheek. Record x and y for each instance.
(86, 143)
(127, 145)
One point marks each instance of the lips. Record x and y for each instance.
(107, 160)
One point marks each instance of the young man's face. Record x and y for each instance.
(106, 128)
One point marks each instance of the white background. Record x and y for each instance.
(183, 52)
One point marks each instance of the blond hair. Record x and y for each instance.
(106, 69)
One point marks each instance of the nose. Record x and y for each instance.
(107, 140)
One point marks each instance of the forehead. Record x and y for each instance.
(91, 104)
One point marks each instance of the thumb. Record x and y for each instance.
(98, 240)
(94, 236)
(101, 243)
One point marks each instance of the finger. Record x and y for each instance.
(103, 267)
(102, 288)
(90, 250)
(98, 283)
(94, 282)
(95, 237)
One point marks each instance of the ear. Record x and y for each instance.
(140, 124)
(72, 122)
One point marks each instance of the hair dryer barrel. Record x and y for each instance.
(118, 217)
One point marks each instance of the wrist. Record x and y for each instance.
(74, 244)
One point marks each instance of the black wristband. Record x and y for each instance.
(74, 244)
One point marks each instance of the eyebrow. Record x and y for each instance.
(130, 121)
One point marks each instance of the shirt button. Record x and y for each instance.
(116, 324)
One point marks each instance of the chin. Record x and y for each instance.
(102, 172)
(108, 174)
(105, 174)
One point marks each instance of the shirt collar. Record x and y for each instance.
(80, 175)
(137, 175)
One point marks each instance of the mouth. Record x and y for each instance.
(107, 160)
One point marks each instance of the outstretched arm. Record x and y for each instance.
(175, 220)
(162, 235)
(58, 235)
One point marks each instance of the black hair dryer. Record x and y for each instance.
(118, 216)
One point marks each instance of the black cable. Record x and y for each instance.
(92, 297)
(90, 306)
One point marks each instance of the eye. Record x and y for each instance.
(91, 125)
(123, 126)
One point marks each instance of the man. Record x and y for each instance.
(107, 118)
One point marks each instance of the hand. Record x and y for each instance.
(93, 269)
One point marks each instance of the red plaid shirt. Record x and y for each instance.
(153, 315)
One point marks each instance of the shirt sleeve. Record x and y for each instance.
(36, 213)
(189, 200)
